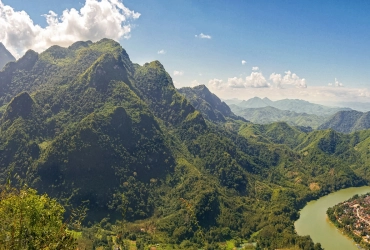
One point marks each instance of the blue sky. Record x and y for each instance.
(205, 42)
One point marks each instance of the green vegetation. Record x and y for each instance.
(348, 121)
(31, 221)
(295, 105)
(292, 111)
(88, 127)
(209, 104)
(267, 115)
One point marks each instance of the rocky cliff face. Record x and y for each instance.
(208, 104)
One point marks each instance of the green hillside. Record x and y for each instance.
(266, 115)
(292, 111)
(90, 128)
(348, 121)
(209, 104)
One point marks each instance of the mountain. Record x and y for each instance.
(89, 127)
(5, 56)
(348, 121)
(301, 106)
(211, 107)
(295, 105)
(232, 101)
(270, 114)
(254, 102)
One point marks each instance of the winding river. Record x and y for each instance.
(313, 220)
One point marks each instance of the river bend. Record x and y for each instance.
(314, 222)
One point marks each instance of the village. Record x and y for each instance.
(353, 216)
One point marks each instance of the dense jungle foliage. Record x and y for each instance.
(348, 121)
(90, 129)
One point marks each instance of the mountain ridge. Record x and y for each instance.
(348, 121)
(120, 137)
(295, 105)
(208, 103)
(268, 114)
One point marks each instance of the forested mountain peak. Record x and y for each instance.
(20, 106)
(208, 103)
(254, 102)
(348, 121)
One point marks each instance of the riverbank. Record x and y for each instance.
(344, 233)
(313, 220)
(352, 218)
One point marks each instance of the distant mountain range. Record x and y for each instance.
(270, 114)
(295, 105)
(5, 56)
(348, 121)
(208, 104)
(293, 111)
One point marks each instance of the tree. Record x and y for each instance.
(32, 221)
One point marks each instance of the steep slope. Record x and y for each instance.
(211, 107)
(279, 133)
(269, 114)
(155, 87)
(5, 56)
(348, 121)
(90, 135)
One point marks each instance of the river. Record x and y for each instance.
(313, 220)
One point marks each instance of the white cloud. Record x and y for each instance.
(336, 84)
(236, 82)
(256, 80)
(161, 52)
(289, 80)
(275, 78)
(178, 73)
(94, 21)
(215, 84)
(324, 95)
(203, 36)
(287, 86)
(244, 62)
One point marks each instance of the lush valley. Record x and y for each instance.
(154, 165)
(292, 111)
(266, 115)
